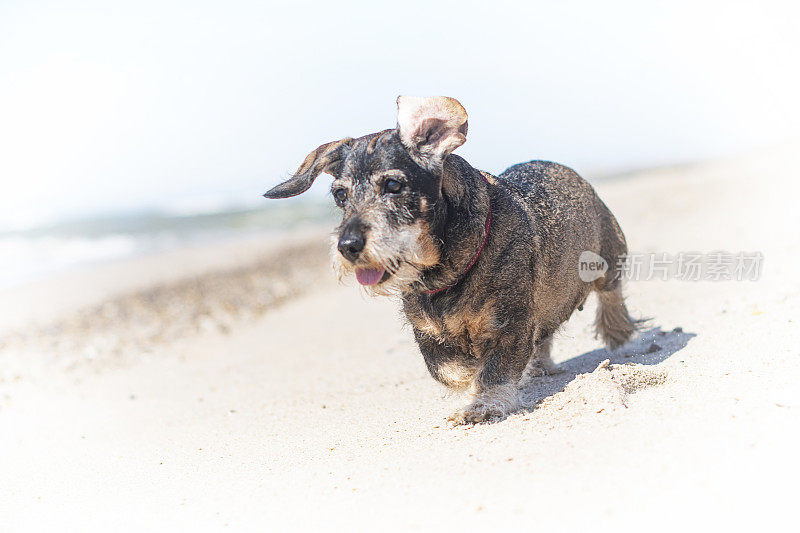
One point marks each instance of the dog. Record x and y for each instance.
(486, 266)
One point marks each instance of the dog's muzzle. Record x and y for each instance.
(351, 244)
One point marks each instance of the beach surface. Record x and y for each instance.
(240, 386)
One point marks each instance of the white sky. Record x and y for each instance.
(115, 106)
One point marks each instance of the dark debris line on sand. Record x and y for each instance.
(135, 323)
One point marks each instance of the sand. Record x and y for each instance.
(257, 392)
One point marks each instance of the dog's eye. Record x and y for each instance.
(392, 186)
(340, 195)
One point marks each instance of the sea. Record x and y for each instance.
(38, 252)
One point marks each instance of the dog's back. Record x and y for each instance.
(569, 212)
(570, 220)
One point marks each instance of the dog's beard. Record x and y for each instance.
(403, 254)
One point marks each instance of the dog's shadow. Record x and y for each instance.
(650, 347)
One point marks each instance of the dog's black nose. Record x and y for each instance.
(351, 243)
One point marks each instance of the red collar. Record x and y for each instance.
(486, 226)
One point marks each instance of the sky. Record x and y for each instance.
(117, 107)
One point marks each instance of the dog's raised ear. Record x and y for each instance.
(327, 158)
(430, 128)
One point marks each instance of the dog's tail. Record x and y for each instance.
(614, 325)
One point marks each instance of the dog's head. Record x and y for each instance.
(388, 185)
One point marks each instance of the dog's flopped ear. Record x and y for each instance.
(327, 158)
(430, 128)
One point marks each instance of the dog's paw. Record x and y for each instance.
(476, 413)
(538, 369)
(553, 370)
(491, 405)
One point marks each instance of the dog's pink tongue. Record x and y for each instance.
(369, 276)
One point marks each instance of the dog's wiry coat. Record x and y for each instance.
(492, 325)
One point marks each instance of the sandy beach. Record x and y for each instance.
(210, 388)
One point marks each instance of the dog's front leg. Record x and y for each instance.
(497, 393)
